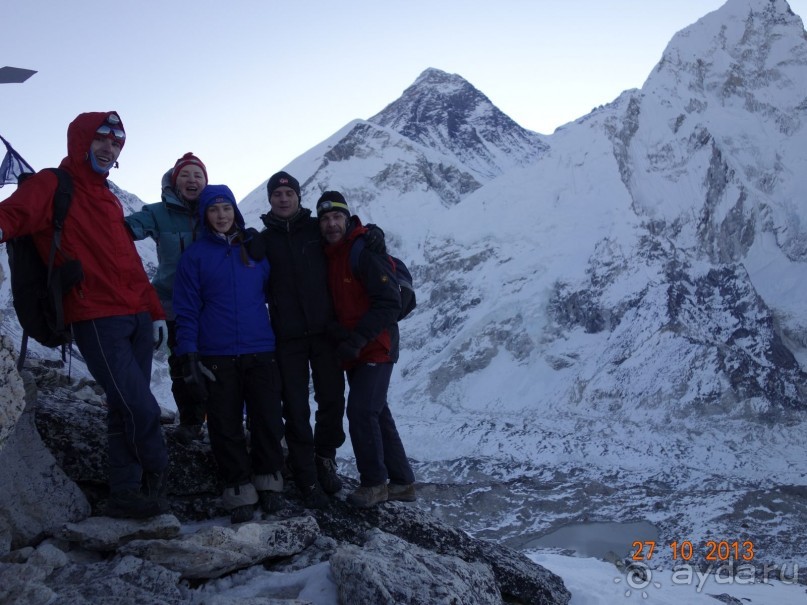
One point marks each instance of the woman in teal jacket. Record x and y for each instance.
(172, 224)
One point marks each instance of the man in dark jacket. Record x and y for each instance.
(301, 308)
(367, 301)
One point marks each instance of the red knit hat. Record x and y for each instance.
(186, 160)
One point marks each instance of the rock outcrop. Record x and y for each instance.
(57, 547)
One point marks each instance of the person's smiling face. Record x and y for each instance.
(106, 150)
(190, 182)
(221, 216)
(284, 202)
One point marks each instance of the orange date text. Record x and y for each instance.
(685, 550)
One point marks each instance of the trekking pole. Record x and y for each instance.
(23, 351)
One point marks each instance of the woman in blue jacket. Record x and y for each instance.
(227, 348)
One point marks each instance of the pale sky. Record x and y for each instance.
(248, 85)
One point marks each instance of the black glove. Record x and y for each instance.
(374, 239)
(254, 244)
(336, 332)
(350, 348)
(195, 376)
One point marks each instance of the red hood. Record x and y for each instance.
(80, 134)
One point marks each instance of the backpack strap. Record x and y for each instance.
(61, 204)
(355, 252)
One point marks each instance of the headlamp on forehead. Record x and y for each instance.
(112, 128)
(329, 206)
(332, 201)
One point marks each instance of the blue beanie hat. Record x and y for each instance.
(214, 194)
(211, 192)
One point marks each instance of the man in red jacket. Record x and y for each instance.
(367, 301)
(114, 311)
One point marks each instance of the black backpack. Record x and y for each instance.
(402, 273)
(38, 289)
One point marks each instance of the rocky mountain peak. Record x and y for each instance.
(717, 132)
(747, 53)
(433, 78)
(444, 112)
(435, 98)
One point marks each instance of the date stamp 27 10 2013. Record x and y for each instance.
(685, 550)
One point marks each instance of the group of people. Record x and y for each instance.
(250, 318)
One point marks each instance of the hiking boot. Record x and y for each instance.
(271, 502)
(155, 488)
(367, 496)
(186, 433)
(242, 514)
(268, 482)
(240, 500)
(326, 473)
(403, 493)
(131, 504)
(314, 497)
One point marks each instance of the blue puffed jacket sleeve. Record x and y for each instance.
(187, 304)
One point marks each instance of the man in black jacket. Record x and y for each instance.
(301, 310)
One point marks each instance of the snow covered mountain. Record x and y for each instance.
(621, 299)
(445, 113)
(612, 319)
(438, 143)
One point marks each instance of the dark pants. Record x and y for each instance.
(294, 358)
(252, 379)
(377, 446)
(117, 351)
(191, 410)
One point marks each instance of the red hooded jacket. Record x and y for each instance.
(95, 233)
(367, 303)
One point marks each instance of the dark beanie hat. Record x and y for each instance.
(282, 179)
(186, 160)
(332, 201)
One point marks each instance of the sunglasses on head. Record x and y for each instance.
(111, 126)
(106, 130)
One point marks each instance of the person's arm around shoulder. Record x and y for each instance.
(374, 239)
(142, 224)
(254, 244)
